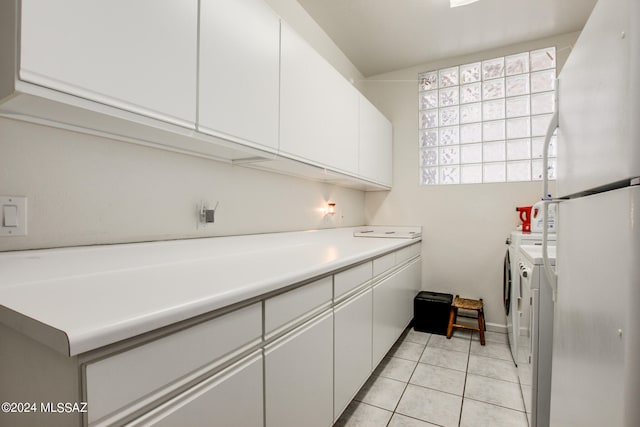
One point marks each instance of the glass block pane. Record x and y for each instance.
(493, 131)
(494, 172)
(493, 110)
(537, 147)
(471, 153)
(429, 138)
(450, 155)
(517, 64)
(428, 81)
(543, 59)
(493, 151)
(449, 116)
(449, 77)
(543, 81)
(518, 128)
(518, 106)
(428, 119)
(471, 133)
(471, 174)
(519, 171)
(449, 135)
(493, 89)
(429, 176)
(470, 113)
(518, 85)
(542, 103)
(470, 73)
(429, 157)
(449, 96)
(470, 93)
(429, 99)
(540, 124)
(518, 149)
(493, 68)
(536, 169)
(450, 175)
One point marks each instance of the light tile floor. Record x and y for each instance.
(427, 380)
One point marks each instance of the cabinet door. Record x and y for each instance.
(318, 108)
(231, 398)
(352, 346)
(239, 71)
(375, 148)
(124, 382)
(299, 377)
(393, 307)
(139, 56)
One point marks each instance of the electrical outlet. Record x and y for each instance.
(13, 216)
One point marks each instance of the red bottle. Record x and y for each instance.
(525, 217)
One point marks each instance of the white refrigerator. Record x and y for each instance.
(596, 338)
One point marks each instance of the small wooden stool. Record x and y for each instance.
(466, 304)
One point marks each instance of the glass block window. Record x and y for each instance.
(486, 121)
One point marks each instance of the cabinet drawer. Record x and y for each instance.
(350, 279)
(300, 304)
(407, 253)
(140, 374)
(383, 263)
(232, 397)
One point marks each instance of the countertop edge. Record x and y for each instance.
(81, 341)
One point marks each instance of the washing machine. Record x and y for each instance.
(516, 312)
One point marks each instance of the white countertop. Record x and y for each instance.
(82, 298)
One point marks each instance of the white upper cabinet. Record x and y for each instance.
(318, 108)
(239, 71)
(223, 79)
(139, 56)
(375, 149)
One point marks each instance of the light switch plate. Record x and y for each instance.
(13, 210)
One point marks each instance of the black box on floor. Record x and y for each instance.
(431, 312)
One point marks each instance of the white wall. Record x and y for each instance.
(87, 190)
(464, 226)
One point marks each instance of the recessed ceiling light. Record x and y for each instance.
(456, 3)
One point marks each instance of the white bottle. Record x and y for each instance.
(537, 218)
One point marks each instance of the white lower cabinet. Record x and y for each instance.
(393, 307)
(294, 358)
(233, 397)
(352, 347)
(299, 376)
(128, 380)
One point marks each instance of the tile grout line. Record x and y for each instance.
(424, 346)
(464, 387)
(407, 382)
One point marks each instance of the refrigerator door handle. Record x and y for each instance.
(553, 125)
(552, 277)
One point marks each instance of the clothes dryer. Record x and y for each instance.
(517, 313)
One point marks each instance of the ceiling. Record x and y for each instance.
(386, 35)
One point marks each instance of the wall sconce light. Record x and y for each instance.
(331, 208)
(456, 3)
